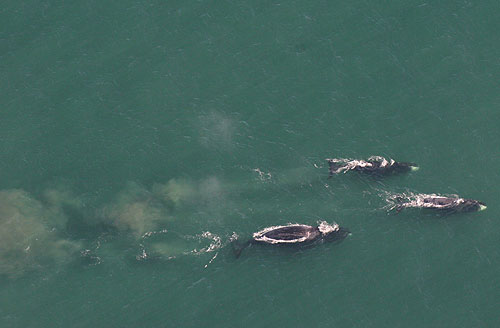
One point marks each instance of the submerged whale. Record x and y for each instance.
(293, 234)
(440, 203)
(376, 165)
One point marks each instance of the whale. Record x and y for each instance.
(439, 203)
(374, 165)
(293, 235)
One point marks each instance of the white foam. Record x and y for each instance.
(348, 164)
(260, 235)
(263, 175)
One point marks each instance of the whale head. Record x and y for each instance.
(471, 205)
(404, 167)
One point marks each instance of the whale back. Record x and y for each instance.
(376, 165)
(293, 233)
(442, 201)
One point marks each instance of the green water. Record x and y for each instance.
(163, 127)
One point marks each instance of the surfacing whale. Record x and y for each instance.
(376, 165)
(436, 202)
(293, 235)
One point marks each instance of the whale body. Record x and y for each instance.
(376, 165)
(439, 203)
(293, 234)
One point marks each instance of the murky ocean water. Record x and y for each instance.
(138, 138)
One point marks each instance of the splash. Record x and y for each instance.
(215, 243)
(326, 228)
(262, 175)
(234, 236)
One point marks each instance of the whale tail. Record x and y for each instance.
(334, 167)
(399, 203)
(239, 247)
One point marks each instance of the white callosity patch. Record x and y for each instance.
(29, 231)
(325, 228)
